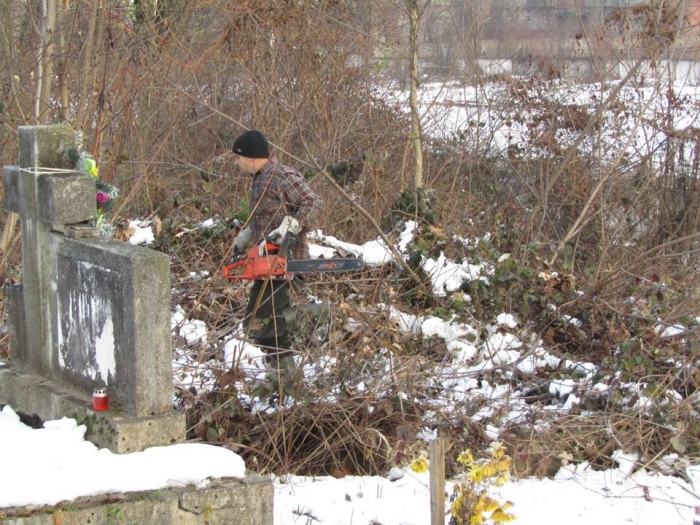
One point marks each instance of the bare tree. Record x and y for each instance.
(45, 62)
(415, 12)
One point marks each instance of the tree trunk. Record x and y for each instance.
(414, 21)
(42, 108)
(88, 69)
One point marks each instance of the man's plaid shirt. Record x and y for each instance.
(276, 191)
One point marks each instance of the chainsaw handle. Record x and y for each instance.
(231, 273)
(271, 248)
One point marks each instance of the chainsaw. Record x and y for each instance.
(273, 264)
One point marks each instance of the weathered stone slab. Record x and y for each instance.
(11, 179)
(15, 321)
(228, 502)
(152, 508)
(66, 198)
(49, 146)
(112, 304)
(224, 502)
(77, 231)
(35, 250)
(254, 497)
(126, 434)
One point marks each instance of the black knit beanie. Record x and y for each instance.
(252, 144)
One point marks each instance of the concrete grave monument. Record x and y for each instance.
(94, 313)
(90, 313)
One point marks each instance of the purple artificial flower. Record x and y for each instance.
(102, 199)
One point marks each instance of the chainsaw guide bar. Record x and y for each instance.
(272, 265)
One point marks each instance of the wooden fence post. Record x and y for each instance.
(437, 481)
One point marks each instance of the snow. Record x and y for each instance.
(451, 110)
(193, 331)
(53, 464)
(577, 495)
(142, 232)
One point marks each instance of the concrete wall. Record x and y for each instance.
(686, 71)
(224, 502)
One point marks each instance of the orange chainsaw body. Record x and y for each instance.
(270, 265)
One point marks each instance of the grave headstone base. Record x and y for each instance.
(121, 433)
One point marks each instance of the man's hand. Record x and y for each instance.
(242, 241)
(288, 225)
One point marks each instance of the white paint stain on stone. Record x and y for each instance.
(90, 331)
(104, 351)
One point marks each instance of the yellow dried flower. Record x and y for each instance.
(489, 469)
(472, 504)
(500, 516)
(476, 519)
(465, 458)
(490, 504)
(476, 473)
(419, 465)
(480, 504)
(456, 507)
(497, 450)
(503, 464)
(501, 480)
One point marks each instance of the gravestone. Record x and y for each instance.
(90, 312)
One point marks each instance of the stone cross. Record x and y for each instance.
(91, 312)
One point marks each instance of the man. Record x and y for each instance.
(281, 203)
